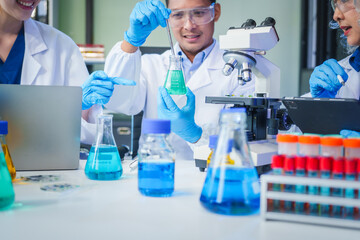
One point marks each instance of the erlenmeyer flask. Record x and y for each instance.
(231, 187)
(104, 161)
(5, 148)
(7, 195)
(175, 83)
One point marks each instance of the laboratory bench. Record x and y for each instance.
(116, 210)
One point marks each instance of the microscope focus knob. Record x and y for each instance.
(269, 21)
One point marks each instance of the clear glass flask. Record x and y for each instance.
(175, 83)
(5, 148)
(231, 188)
(104, 161)
(7, 195)
(156, 159)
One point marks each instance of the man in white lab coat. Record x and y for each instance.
(192, 23)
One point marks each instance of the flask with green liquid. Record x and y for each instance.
(175, 83)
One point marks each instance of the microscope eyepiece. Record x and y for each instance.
(269, 21)
(250, 23)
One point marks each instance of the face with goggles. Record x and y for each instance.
(347, 18)
(192, 23)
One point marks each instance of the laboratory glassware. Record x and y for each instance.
(331, 147)
(7, 195)
(352, 148)
(5, 148)
(287, 144)
(156, 163)
(312, 167)
(104, 161)
(231, 189)
(212, 144)
(309, 145)
(175, 83)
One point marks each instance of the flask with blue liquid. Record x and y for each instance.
(175, 82)
(7, 195)
(156, 165)
(231, 188)
(104, 161)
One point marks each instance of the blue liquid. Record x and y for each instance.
(349, 193)
(231, 191)
(325, 191)
(300, 206)
(313, 190)
(103, 163)
(288, 188)
(337, 192)
(156, 179)
(277, 187)
(7, 195)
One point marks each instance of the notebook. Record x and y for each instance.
(44, 125)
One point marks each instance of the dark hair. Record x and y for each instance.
(167, 2)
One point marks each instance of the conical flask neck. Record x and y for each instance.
(104, 131)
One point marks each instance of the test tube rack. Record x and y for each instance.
(268, 194)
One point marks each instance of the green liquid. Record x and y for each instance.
(7, 195)
(175, 83)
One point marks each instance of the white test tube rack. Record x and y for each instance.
(267, 193)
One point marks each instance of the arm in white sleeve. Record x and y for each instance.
(129, 100)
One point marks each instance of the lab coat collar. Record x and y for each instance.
(34, 44)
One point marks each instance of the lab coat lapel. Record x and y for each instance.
(203, 77)
(34, 44)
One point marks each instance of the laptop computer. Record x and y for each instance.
(44, 125)
(323, 115)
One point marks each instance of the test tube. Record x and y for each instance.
(337, 173)
(332, 147)
(277, 165)
(350, 170)
(309, 145)
(287, 144)
(312, 167)
(352, 148)
(325, 172)
(289, 169)
(300, 172)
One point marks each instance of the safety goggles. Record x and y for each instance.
(198, 16)
(357, 5)
(343, 5)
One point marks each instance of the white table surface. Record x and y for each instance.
(116, 210)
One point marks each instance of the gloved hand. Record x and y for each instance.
(350, 134)
(98, 88)
(145, 17)
(324, 82)
(182, 120)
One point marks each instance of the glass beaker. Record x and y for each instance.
(7, 195)
(232, 188)
(175, 83)
(104, 161)
(156, 159)
(5, 148)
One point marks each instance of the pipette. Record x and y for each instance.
(170, 39)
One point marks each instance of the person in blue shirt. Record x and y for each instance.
(325, 81)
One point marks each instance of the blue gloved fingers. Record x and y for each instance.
(338, 70)
(98, 75)
(169, 102)
(98, 99)
(349, 133)
(101, 91)
(106, 84)
(327, 75)
(122, 81)
(190, 103)
(318, 82)
(161, 12)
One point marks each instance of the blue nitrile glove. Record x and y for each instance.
(349, 134)
(182, 120)
(145, 17)
(98, 88)
(324, 82)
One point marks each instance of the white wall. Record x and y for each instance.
(112, 19)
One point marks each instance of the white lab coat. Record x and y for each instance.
(52, 58)
(208, 80)
(352, 85)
